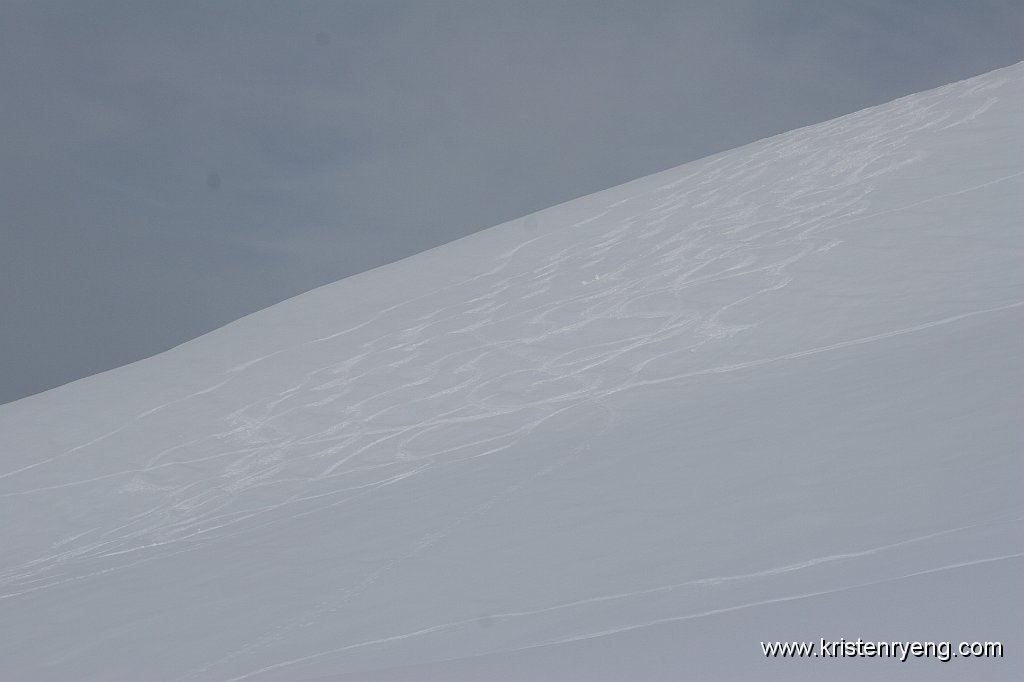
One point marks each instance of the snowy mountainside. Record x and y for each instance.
(773, 394)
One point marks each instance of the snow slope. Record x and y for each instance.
(774, 394)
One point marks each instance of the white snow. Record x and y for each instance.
(774, 394)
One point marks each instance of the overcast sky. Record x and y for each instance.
(168, 167)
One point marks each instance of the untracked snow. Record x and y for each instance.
(774, 394)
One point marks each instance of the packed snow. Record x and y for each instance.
(774, 394)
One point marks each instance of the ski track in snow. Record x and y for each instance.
(624, 628)
(491, 359)
(697, 583)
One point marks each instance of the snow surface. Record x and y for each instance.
(774, 394)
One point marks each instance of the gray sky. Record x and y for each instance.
(168, 167)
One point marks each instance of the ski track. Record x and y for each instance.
(391, 397)
(625, 628)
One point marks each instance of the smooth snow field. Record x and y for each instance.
(774, 394)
